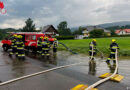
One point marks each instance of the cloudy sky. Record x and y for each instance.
(75, 12)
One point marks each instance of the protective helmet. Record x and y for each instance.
(18, 36)
(15, 35)
(113, 40)
(41, 37)
(55, 39)
(45, 38)
(94, 40)
(21, 36)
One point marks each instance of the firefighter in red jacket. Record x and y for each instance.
(13, 45)
(113, 47)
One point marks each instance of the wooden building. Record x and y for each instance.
(50, 30)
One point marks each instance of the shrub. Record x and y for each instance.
(64, 37)
(85, 37)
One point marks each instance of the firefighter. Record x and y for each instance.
(55, 44)
(20, 47)
(113, 47)
(92, 49)
(13, 46)
(45, 47)
(39, 45)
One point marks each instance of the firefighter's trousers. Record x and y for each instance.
(90, 54)
(55, 50)
(111, 57)
(39, 49)
(21, 53)
(45, 51)
(13, 51)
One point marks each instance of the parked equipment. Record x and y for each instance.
(82, 87)
(116, 78)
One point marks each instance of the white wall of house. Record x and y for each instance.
(85, 31)
(57, 34)
(79, 37)
(123, 33)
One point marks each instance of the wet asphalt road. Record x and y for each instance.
(62, 79)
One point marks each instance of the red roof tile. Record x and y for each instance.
(126, 30)
(117, 31)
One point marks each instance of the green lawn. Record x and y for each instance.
(81, 46)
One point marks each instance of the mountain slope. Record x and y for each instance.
(122, 23)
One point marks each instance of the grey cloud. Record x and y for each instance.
(76, 12)
(98, 10)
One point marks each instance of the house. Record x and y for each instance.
(123, 32)
(90, 28)
(79, 36)
(50, 30)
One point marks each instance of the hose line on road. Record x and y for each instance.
(104, 80)
(38, 73)
(68, 48)
(102, 55)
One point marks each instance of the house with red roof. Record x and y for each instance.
(123, 32)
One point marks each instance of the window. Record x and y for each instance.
(28, 37)
(34, 37)
(31, 37)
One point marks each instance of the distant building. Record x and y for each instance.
(79, 36)
(123, 32)
(91, 28)
(88, 29)
(50, 30)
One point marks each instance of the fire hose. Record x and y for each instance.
(68, 48)
(38, 73)
(104, 80)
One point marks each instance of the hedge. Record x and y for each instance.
(64, 37)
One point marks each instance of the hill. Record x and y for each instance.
(113, 25)
(3, 32)
(121, 23)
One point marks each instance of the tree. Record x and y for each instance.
(63, 29)
(79, 31)
(113, 33)
(29, 27)
(96, 33)
(3, 32)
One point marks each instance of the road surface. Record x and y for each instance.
(62, 79)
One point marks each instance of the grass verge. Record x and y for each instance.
(82, 46)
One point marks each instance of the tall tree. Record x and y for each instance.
(29, 27)
(63, 29)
